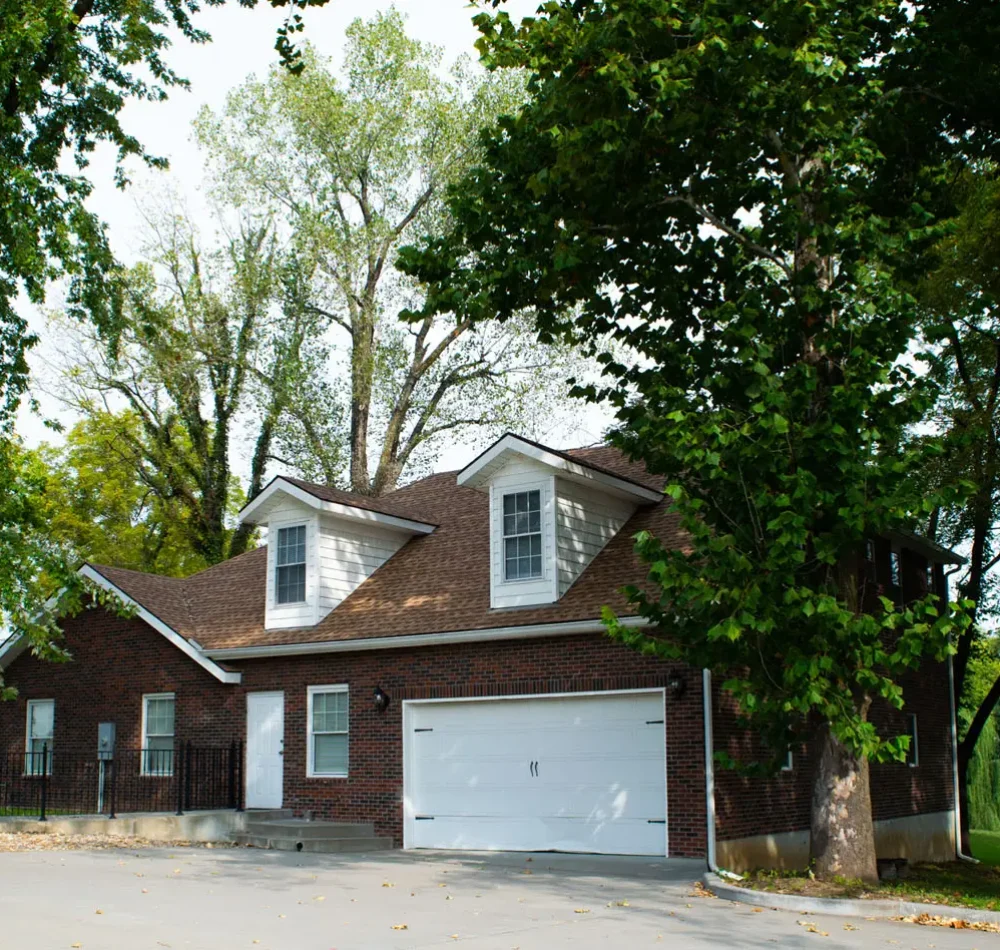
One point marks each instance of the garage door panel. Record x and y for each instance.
(569, 773)
(550, 834)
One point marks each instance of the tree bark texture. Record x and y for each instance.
(842, 839)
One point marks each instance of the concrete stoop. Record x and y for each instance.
(281, 832)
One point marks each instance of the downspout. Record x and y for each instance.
(954, 769)
(706, 694)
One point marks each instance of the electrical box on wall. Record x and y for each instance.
(105, 740)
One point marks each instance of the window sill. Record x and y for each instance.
(340, 775)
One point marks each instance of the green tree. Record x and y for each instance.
(96, 503)
(200, 326)
(354, 163)
(66, 72)
(961, 295)
(733, 195)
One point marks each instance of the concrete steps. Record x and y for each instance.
(283, 833)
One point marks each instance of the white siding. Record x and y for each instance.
(586, 520)
(521, 474)
(349, 554)
(283, 515)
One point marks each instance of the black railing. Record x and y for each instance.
(50, 782)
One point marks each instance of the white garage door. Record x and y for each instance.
(562, 773)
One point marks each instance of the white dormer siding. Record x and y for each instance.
(517, 476)
(340, 555)
(288, 514)
(586, 520)
(349, 554)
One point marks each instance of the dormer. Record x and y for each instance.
(321, 544)
(550, 516)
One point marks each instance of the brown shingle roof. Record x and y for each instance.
(435, 583)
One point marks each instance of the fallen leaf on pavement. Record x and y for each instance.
(400, 927)
(582, 910)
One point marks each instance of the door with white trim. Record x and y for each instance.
(583, 773)
(265, 749)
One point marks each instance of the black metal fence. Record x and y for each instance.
(50, 782)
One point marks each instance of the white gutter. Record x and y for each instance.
(706, 697)
(403, 641)
(954, 769)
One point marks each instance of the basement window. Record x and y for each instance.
(290, 581)
(328, 731)
(41, 726)
(158, 734)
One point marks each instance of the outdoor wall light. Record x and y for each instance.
(382, 699)
(676, 685)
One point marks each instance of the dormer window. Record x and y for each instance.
(522, 535)
(290, 582)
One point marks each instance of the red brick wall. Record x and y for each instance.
(373, 792)
(747, 807)
(117, 660)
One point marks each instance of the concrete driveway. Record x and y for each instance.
(223, 899)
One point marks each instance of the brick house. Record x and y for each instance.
(433, 661)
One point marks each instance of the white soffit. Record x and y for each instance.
(478, 473)
(257, 510)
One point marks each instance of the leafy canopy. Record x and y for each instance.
(730, 196)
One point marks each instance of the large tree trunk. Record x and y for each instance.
(842, 839)
(362, 377)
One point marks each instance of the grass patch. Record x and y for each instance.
(954, 884)
(986, 846)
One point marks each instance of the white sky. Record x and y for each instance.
(243, 43)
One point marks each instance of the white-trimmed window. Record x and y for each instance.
(328, 731)
(913, 752)
(522, 535)
(290, 576)
(38, 743)
(158, 734)
(895, 572)
(789, 763)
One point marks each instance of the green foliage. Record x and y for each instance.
(353, 162)
(95, 504)
(984, 780)
(732, 198)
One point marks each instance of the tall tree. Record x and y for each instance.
(354, 163)
(731, 194)
(961, 294)
(199, 326)
(66, 72)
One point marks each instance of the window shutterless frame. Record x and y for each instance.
(521, 530)
(328, 727)
(39, 730)
(158, 728)
(290, 566)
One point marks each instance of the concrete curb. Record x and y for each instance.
(845, 907)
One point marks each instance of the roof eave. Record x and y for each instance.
(253, 512)
(177, 639)
(477, 473)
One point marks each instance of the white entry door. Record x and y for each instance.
(265, 749)
(561, 773)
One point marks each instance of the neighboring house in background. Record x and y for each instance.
(471, 601)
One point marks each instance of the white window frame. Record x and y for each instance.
(312, 691)
(29, 761)
(913, 753)
(525, 490)
(789, 764)
(143, 769)
(303, 563)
